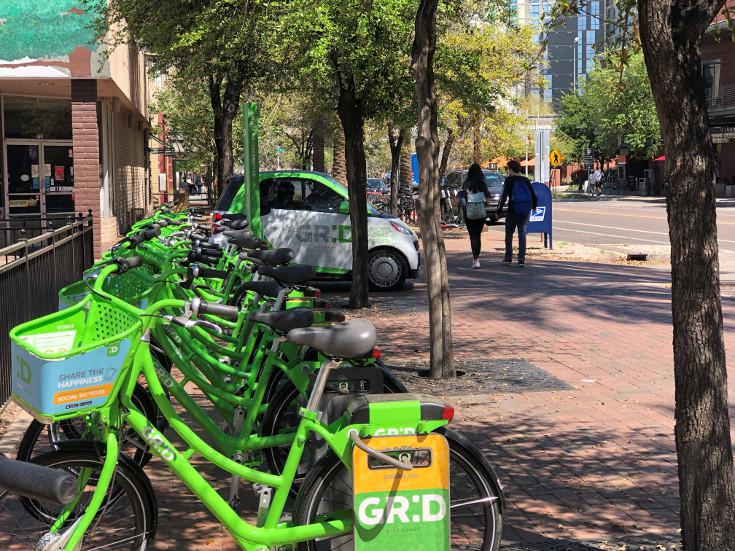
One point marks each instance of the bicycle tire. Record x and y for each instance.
(330, 468)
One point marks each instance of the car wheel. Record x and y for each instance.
(387, 270)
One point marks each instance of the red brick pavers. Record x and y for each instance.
(581, 467)
(595, 463)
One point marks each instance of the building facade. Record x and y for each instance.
(572, 44)
(74, 121)
(718, 68)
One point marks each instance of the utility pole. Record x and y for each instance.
(527, 143)
(574, 62)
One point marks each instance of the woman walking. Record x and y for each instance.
(472, 198)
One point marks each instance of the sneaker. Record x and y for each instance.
(521, 264)
(476, 264)
(507, 260)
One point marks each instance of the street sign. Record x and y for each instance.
(589, 159)
(556, 158)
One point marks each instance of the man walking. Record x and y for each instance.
(521, 201)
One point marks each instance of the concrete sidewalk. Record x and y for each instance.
(589, 463)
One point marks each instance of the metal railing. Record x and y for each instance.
(723, 100)
(20, 228)
(32, 271)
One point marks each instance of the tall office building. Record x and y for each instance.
(571, 45)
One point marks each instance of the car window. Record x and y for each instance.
(297, 194)
(320, 198)
(281, 193)
(494, 183)
(234, 183)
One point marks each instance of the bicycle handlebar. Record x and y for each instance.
(200, 307)
(37, 481)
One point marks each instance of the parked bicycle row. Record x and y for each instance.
(222, 345)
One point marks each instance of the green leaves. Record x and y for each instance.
(615, 108)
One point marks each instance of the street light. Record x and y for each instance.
(574, 61)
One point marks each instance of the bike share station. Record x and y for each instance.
(400, 478)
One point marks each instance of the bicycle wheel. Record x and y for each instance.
(126, 520)
(42, 438)
(475, 525)
(282, 416)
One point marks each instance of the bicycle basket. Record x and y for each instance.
(68, 362)
(134, 287)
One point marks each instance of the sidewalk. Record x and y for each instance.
(567, 387)
(584, 443)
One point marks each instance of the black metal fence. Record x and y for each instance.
(17, 229)
(32, 271)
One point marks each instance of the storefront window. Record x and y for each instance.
(37, 118)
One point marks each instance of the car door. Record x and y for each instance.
(303, 215)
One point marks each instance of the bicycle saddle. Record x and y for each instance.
(234, 224)
(292, 275)
(264, 288)
(285, 320)
(273, 257)
(350, 339)
(245, 239)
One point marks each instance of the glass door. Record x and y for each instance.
(58, 180)
(24, 179)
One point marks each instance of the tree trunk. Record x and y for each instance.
(339, 170)
(671, 33)
(317, 156)
(445, 153)
(427, 150)
(353, 120)
(396, 143)
(225, 105)
(405, 175)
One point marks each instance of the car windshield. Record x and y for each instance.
(374, 183)
(233, 184)
(494, 182)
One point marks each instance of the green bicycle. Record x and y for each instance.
(112, 491)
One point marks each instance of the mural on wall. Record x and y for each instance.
(47, 38)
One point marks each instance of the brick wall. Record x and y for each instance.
(724, 51)
(85, 136)
(130, 200)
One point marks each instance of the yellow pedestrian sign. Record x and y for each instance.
(556, 158)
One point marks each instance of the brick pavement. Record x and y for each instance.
(589, 468)
(592, 464)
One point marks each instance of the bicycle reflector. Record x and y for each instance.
(377, 353)
(216, 217)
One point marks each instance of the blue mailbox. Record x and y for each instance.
(540, 219)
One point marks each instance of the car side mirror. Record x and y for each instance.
(344, 207)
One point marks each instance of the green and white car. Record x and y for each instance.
(308, 212)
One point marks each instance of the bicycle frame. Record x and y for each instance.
(250, 537)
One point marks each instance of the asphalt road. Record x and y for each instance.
(633, 225)
(630, 222)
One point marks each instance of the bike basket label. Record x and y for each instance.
(69, 361)
(395, 508)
